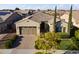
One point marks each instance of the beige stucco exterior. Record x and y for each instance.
(27, 22)
(51, 25)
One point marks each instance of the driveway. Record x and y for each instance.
(27, 42)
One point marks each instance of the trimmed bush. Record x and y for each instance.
(42, 35)
(63, 35)
(47, 42)
(77, 34)
(9, 43)
(75, 42)
(65, 44)
(68, 45)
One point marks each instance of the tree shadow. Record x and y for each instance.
(17, 42)
(72, 52)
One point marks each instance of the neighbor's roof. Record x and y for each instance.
(75, 15)
(22, 11)
(38, 17)
(4, 17)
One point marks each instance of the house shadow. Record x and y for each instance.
(17, 42)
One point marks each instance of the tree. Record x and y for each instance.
(17, 8)
(70, 22)
(55, 15)
(30, 12)
(47, 42)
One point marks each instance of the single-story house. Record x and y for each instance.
(35, 24)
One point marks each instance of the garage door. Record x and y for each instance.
(28, 30)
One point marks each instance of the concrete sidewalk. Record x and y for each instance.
(32, 51)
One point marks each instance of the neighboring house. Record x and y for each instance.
(3, 25)
(65, 18)
(35, 24)
(7, 21)
(4, 12)
(22, 12)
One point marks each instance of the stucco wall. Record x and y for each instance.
(27, 22)
(64, 24)
(51, 25)
(64, 20)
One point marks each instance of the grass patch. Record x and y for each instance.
(42, 53)
(67, 45)
(64, 44)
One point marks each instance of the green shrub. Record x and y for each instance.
(63, 35)
(46, 42)
(75, 42)
(9, 43)
(77, 34)
(68, 45)
(41, 35)
(42, 53)
(39, 53)
(65, 45)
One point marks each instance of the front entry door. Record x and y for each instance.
(44, 27)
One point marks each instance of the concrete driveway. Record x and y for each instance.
(27, 42)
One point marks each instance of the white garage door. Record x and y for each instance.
(28, 31)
